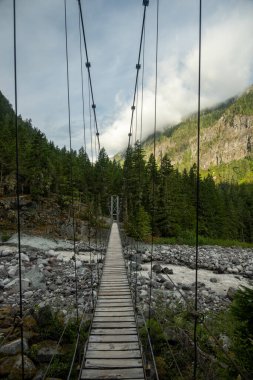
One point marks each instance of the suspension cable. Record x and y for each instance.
(91, 139)
(142, 79)
(88, 66)
(154, 153)
(56, 349)
(138, 66)
(71, 152)
(17, 191)
(197, 201)
(136, 113)
(77, 341)
(81, 68)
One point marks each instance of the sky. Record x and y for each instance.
(113, 33)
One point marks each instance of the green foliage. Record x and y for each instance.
(156, 335)
(156, 197)
(5, 236)
(242, 311)
(224, 340)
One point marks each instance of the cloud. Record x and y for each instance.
(227, 69)
(113, 31)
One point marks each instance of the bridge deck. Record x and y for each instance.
(113, 350)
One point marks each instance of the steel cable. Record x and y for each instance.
(197, 200)
(71, 151)
(88, 65)
(17, 190)
(138, 66)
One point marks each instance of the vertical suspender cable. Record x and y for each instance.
(154, 152)
(88, 65)
(71, 153)
(138, 66)
(142, 80)
(81, 67)
(197, 202)
(91, 139)
(17, 192)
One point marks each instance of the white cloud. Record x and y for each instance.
(113, 31)
(227, 68)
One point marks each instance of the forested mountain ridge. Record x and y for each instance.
(143, 185)
(44, 168)
(226, 141)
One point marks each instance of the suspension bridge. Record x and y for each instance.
(113, 349)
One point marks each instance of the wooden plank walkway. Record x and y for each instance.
(113, 350)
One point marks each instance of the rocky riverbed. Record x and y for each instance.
(48, 278)
(221, 272)
(48, 272)
(48, 275)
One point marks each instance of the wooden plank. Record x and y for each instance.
(113, 346)
(123, 325)
(116, 297)
(114, 300)
(113, 363)
(100, 318)
(114, 314)
(128, 373)
(113, 338)
(113, 354)
(108, 331)
(110, 305)
(114, 308)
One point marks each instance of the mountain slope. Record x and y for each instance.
(226, 140)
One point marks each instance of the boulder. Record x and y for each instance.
(45, 350)
(12, 272)
(161, 278)
(167, 270)
(157, 268)
(6, 365)
(186, 288)
(168, 285)
(24, 257)
(16, 371)
(14, 347)
(231, 293)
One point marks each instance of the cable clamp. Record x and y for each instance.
(145, 3)
(87, 64)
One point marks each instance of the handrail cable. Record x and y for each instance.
(71, 152)
(93, 313)
(195, 365)
(138, 66)
(88, 65)
(166, 340)
(59, 342)
(17, 190)
(56, 348)
(189, 307)
(218, 344)
(159, 322)
(77, 340)
(81, 69)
